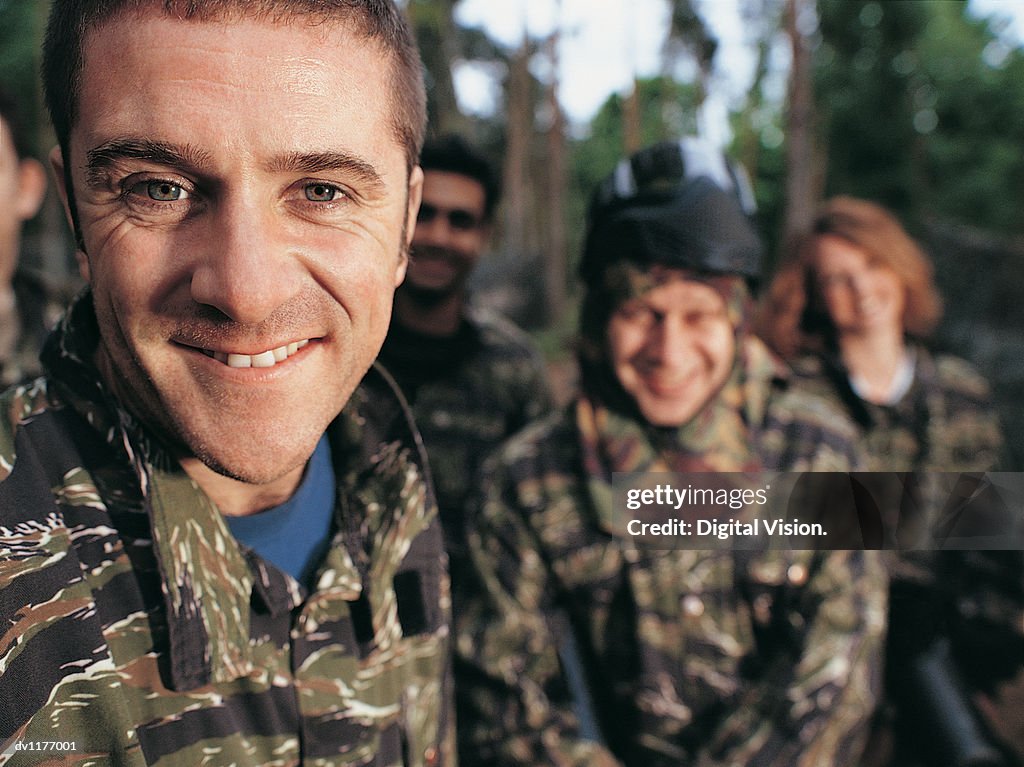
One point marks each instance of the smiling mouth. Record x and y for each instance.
(668, 389)
(266, 359)
(871, 305)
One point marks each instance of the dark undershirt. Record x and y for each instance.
(417, 358)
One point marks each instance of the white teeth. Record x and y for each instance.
(265, 359)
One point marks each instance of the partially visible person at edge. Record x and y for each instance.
(29, 305)
(472, 378)
(218, 545)
(852, 310)
(688, 657)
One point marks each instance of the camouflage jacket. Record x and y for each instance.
(493, 385)
(690, 657)
(945, 422)
(37, 308)
(136, 629)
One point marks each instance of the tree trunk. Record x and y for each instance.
(801, 186)
(748, 134)
(434, 23)
(516, 172)
(632, 127)
(555, 252)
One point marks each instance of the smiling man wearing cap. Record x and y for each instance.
(685, 656)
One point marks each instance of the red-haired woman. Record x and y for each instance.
(851, 311)
(853, 307)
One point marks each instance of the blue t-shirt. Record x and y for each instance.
(295, 535)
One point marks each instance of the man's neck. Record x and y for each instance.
(433, 318)
(235, 498)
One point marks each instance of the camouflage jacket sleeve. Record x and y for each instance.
(692, 658)
(811, 705)
(513, 705)
(963, 428)
(518, 366)
(808, 705)
(134, 629)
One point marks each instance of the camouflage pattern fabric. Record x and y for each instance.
(945, 422)
(719, 438)
(37, 308)
(133, 625)
(690, 657)
(495, 386)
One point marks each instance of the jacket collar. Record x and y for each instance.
(208, 581)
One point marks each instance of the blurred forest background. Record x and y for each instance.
(917, 104)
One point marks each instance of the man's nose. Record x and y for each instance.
(860, 284)
(245, 269)
(670, 339)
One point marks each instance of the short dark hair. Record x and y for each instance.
(378, 20)
(11, 116)
(453, 154)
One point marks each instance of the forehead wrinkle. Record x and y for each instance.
(300, 73)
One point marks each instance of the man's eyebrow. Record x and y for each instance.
(160, 153)
(317, 162)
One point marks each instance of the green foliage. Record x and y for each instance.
(864, 96)
(919, 108)
(973, 164)
(690, 35)
(769, 181)
(20, 22)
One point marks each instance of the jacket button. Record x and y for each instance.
(693, 606)
(797, 574)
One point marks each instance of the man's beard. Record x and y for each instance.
(429, 295)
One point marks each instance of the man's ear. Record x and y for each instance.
(415, 196)
(31, 188)
(60, 180)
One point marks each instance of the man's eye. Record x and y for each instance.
(635, 312)
(703, 316)
(832, 281)
(322, 193)
(165, 191)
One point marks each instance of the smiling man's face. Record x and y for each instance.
(243, 203)
(450, 235)
(672, 348)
